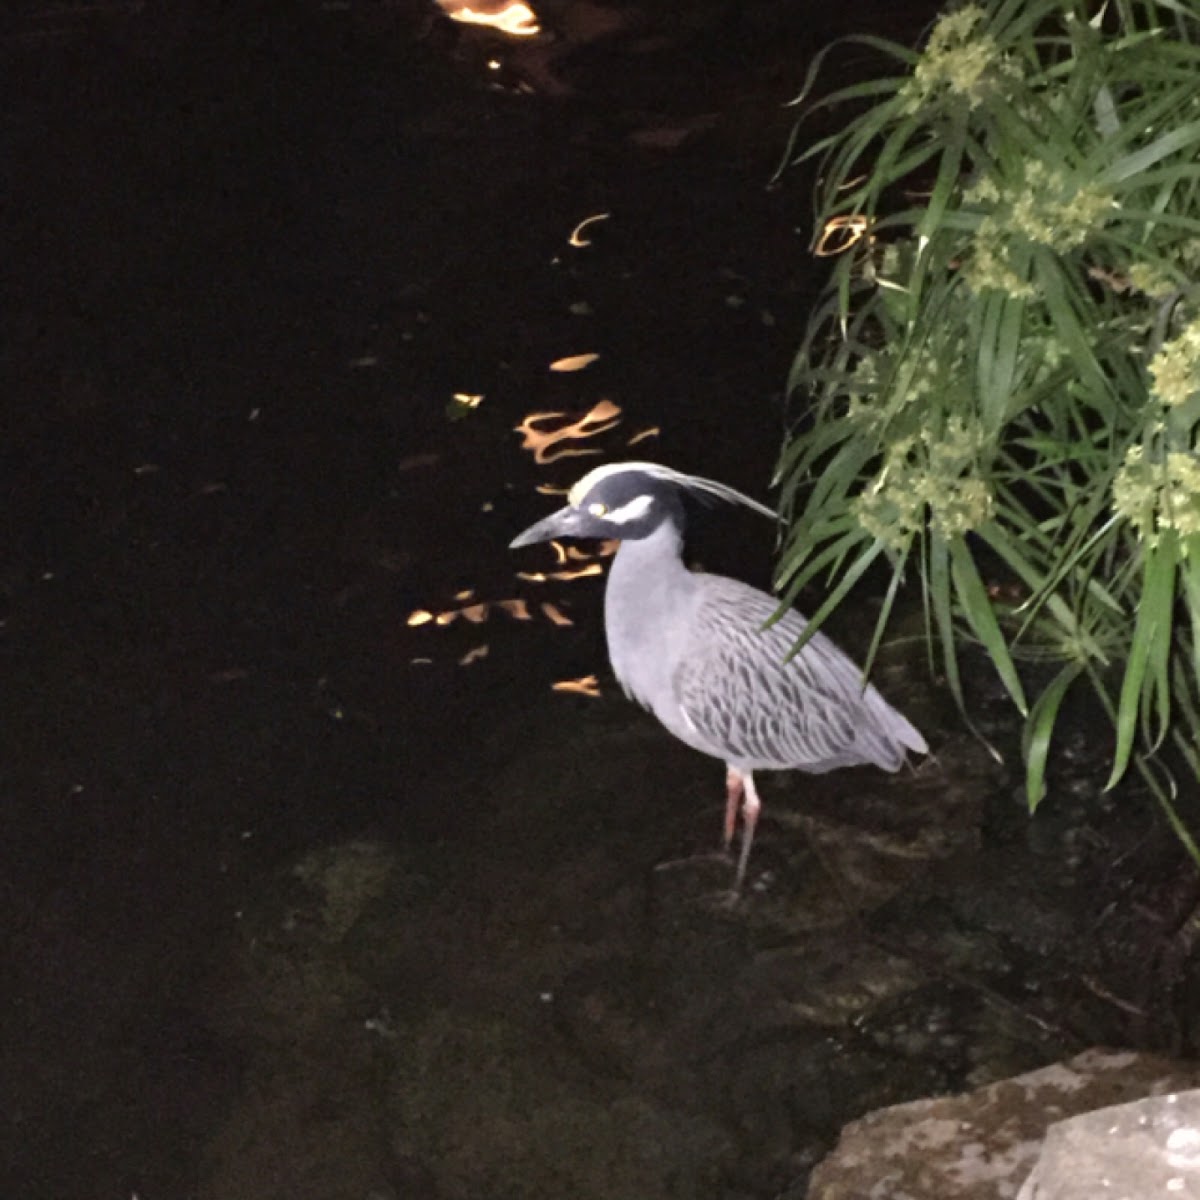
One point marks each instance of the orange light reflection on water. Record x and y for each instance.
(565, 554)
(588, 685)
(577, 239)
(573, 362)
(555, 615)
(840, 233)
(508, 16)
(475, 614)
(517, 609)
(542, 431)
(563, 576)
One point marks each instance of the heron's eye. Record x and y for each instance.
(598, 509)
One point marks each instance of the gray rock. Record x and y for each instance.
(1145, 1149)
(982, 1145)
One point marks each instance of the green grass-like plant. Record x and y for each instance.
(1003, 375)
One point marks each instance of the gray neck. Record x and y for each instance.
(651, 561)
(646, 606)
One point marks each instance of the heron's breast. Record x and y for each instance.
(646, 623)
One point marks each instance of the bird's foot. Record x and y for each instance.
(705, 865)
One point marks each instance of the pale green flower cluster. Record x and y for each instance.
(1150, 279)
(1175, 369)
(1154, 490)
(1154, 496)
(927, 473)
(878, 390)
(1044, 206)
(1049, 207)
(990, 265)
(1156, 280)
(1047, 352)
(862, 390)
(958, 62)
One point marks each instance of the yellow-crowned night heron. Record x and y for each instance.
(697, 649)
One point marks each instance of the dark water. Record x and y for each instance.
(252, 259)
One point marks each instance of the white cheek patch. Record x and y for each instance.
(636, 508)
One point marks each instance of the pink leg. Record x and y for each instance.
(733, 801)
(740, 796)
(751, 807)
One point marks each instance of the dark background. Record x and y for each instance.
(250, 252)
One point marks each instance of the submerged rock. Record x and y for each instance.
(553, 1003)
(495, 1109)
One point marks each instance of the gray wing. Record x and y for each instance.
(737, 689)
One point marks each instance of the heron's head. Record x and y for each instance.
(628, 501)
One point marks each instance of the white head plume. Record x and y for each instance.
(697, 485)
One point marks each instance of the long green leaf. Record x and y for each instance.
(1152, 628)
(999, 347)
(885, 612)
(981, 616)
(941, 601)
(851, 576)
(1140, 160)
(1039, 732)
(1190, 574)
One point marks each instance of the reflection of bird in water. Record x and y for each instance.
(696, 649)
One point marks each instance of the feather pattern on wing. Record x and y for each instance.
(755, 707)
